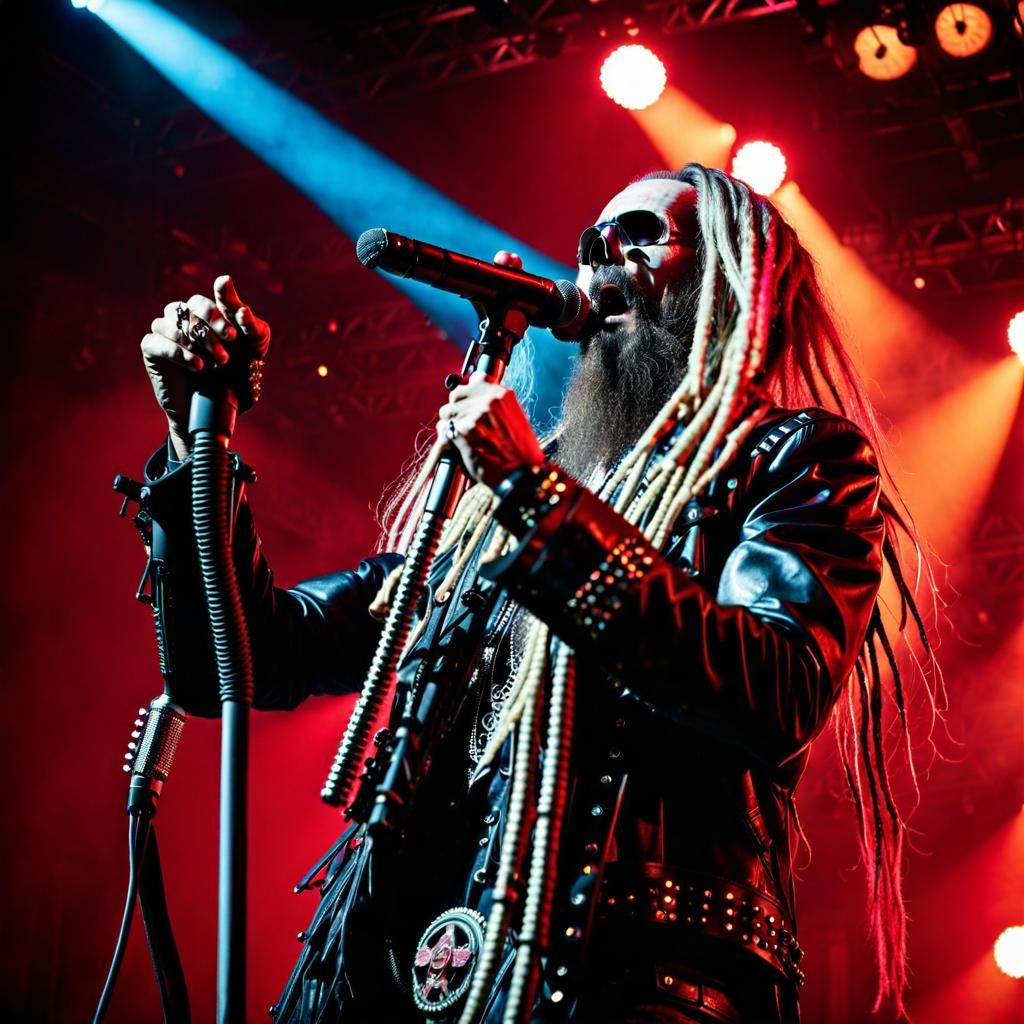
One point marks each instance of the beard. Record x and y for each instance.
(625, 373)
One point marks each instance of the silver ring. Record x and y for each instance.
(197, 332)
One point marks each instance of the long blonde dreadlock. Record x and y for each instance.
(763, 336)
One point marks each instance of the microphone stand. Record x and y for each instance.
(215, 475)
(398, 769)
(217, 479)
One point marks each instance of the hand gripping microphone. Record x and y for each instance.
(559, 305)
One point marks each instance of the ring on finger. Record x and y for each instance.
(197, 331)
(182, 317)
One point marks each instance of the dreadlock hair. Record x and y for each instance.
(763, 336)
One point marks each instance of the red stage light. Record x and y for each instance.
(322, 370)
(633, 76)
(1015, 334)
(761, 165)
(919, 282)
(1009, 951)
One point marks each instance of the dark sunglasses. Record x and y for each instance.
(634, 227)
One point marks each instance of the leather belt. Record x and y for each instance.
(703, 905)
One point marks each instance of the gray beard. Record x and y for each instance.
(624, 376)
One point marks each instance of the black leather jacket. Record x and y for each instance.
(710, 668)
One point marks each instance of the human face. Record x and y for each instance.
(652, 270)
(645, 296)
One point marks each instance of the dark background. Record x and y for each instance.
(124, 197)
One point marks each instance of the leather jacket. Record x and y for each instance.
(704, 671)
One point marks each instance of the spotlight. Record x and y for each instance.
(1015, 334)
(322, 370)
(1009, 950)
(633, 76)
(963, 29)
(881, 55)
(761, 165)
(79, 4)
(919, 282)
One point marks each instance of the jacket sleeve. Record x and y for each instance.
(763, 659)
(314, 638)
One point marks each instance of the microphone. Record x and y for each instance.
(151, 752)
(559, 305)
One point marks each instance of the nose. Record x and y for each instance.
(607, 249)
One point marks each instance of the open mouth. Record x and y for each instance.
(611, 303)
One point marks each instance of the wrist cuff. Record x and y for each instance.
(530, 494)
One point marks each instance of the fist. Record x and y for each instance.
(487, 425)
(172, 352)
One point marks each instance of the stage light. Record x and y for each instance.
(881, 55)
(633, 76)
(1015, 334)
(963, 29)
(919, 282)
(322, 370)
(761, 165)
(79, 4)
(1009, 952)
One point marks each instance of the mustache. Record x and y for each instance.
(616, 276)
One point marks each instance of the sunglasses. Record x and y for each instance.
(634, 227)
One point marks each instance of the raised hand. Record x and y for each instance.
(188, 336)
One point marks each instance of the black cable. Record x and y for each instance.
(138, 834)
(170, 978)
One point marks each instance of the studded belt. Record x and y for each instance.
(703, 905)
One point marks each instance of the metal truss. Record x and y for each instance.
(999, 556)
(426, 45)
(385, 362)
(971, 248)
(445, 42)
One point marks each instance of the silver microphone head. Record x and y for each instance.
(577, 320)
(370, 246)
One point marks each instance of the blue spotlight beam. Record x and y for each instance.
(356, 186)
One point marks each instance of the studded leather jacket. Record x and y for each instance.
(704, 671)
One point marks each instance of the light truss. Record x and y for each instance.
(970, 248)
(999, 556)
(361, 58)
(447, 42)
